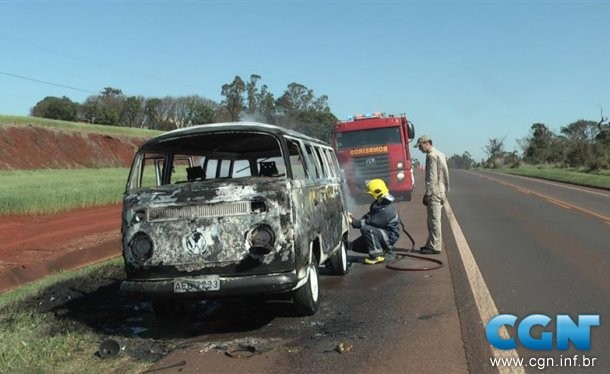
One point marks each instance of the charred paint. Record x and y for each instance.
(225, 238)
(206, 226)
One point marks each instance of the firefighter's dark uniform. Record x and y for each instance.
(379, 228)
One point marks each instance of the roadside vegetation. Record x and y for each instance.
(47, 191)
(244, 100)
(601, 179)
(76, 126)
(44, 326)
(578, 154)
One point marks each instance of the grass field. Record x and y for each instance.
(599, 180)
(36, 338)
(76, 126)
(48, 191)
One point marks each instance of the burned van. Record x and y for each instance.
(230, 210)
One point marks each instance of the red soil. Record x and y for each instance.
(31, 247)
(31, 147)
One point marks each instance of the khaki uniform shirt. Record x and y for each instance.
(437, 174)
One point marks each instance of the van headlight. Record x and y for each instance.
(138, 216)
(400, 176)
(141, 247)
(262, 239)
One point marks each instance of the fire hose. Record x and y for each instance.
(404, 254)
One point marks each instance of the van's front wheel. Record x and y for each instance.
(307, 298)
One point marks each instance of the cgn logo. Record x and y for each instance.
(565, 330)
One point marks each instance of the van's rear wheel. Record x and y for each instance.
(307, 298)
(338, 262)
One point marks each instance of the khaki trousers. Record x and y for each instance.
(435, 234)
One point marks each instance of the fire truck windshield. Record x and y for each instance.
(352, 139)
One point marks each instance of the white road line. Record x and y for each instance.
(485, 304)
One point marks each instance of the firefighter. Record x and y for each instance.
(379, 229)
(437, 185)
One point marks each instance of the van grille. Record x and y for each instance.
(199, 211)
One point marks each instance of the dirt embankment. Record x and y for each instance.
(32, 147)
(33, 247)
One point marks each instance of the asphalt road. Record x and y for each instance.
(541, 247)
(391, 321)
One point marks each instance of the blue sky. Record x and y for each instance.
(463, 71)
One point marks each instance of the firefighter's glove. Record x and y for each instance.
(426, 200)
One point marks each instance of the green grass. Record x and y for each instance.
(34, 341)
(599, 180)
(77, 126)
(47, 191)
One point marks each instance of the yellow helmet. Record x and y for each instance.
(377, 188)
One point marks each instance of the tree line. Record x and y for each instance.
(583, 144)
(296, 108)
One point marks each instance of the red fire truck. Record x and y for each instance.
(376, 146)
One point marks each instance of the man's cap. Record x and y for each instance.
(422, 139)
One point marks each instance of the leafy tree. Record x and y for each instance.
(234, 98)
(252, 92)
(296, 98)
(538, 146)
(316, 124)
(465, 161)
(495, 152)
(104, 109)
(112, 101)
(266, 104)
(152, 113)
(89, 111)
(56, 108)
(581, 148)
(132, 114)
(580, 131)
(192, 110)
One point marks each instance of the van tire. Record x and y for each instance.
(338, 262)
(306, 299)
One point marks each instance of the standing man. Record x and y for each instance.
(437, 184)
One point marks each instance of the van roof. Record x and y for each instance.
(228, 127)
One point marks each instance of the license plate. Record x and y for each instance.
(204, 283)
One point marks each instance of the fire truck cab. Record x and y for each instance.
(376, 146)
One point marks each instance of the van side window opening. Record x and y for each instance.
(297, 162)
(271, 167)
(314, 171)
(324, 172)
(210, 168)
(179, 172)
(335, 163)
(241, 168)
(150, 172)
(329, 162)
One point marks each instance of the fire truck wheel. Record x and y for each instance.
(408, 195)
